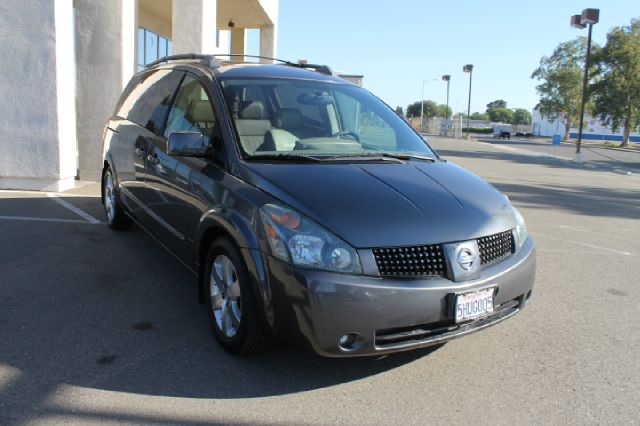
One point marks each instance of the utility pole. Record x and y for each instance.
(468, 68)
(446, 78)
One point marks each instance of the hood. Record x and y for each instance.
(388, 204)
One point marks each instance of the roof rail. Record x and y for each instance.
(213, 61)
(180, 57)
(323, 69)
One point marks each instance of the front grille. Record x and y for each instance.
(416, 261)
(495, 247)
(429, 260)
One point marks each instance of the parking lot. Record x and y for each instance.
(102, 327)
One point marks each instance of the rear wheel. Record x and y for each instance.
(230, 303)
(116, 217)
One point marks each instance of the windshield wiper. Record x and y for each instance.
(284, 157)
(381, 156)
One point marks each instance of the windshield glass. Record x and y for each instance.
(287, 117)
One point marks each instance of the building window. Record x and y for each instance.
(151, 47)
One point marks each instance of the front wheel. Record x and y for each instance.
(116, 217)
(230, 304)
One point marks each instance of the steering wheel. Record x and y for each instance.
(354, 135)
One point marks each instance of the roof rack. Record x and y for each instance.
(212, 60)
(179, 57)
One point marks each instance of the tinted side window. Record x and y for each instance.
(192, 110)
(149, 102)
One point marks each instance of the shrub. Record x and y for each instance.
(478, 130)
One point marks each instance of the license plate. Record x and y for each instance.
(474, 304)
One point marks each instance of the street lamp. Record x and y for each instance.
(422, 102)
(588, 17)
(446, 78)
(468, 68)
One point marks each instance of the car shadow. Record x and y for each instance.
(87, 306)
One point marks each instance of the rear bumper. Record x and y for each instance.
(390, 314)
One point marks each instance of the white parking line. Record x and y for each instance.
(595, 253)
(45, 219)
(59, 194)
(86, 216)
(588, 231)
(626, 253)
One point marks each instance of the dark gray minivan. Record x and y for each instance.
(308, 209)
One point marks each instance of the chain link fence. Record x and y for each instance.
(453, 127)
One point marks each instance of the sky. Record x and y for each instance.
(399, 44)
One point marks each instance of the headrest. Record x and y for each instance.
(289, 118)
(253, 110)
(201, 111)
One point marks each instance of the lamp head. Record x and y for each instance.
(576, 22)
(467, 68)
(446, 77)
(590, 16)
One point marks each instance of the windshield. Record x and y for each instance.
(280, 117)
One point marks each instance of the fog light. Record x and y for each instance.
(350, 341)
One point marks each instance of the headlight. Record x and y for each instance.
(521, 229)
(298, 240)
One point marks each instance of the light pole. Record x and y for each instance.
(588, 17)
(422, 102)
(468, 68)
(446, 78)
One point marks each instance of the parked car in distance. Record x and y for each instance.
(502, 131)
(308, 210)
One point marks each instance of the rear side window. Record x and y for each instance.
(149, 102)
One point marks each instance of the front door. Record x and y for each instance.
(184, 187)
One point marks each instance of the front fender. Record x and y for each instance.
(218, 222)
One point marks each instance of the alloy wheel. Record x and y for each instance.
(226, 301)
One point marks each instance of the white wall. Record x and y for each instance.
(194, 26)
(544, 126)
(106, 42)
(37, 134)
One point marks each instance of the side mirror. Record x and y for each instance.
(186, 144)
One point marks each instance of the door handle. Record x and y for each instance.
(153, 159)
(140, 151)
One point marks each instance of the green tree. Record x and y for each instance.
(496, 104)
(560, 77)
(500, 115)
(399, 111)
(521, 116)
(479, 116)
(616, 93)
(429, 109)
(443, 111)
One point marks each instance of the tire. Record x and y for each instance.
(231, 306)
(116, 217)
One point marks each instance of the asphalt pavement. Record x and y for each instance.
(595, 156)
(103, 327)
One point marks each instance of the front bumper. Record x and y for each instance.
(390, 314)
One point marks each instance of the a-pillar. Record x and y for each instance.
(194, 26)
(37, 115)
(106, 40)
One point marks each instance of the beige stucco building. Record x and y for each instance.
(66, 62)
